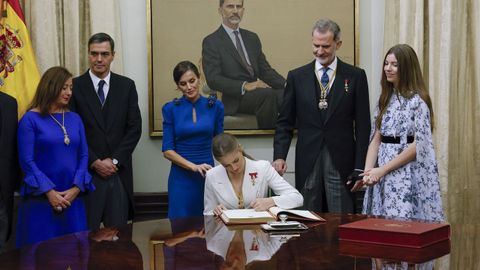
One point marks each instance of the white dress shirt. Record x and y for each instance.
(96, 80)
(332, 67)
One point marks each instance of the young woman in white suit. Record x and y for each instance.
(241, 182)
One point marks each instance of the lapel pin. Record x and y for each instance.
(253, 177)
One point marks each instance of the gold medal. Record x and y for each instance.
(323, 104)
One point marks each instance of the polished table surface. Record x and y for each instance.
(206, 243)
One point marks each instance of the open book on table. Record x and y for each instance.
(250, 216)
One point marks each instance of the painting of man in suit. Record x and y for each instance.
(108, 105)
(235, 65)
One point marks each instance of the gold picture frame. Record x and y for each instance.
(176, 29)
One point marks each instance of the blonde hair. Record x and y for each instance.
(224, 144)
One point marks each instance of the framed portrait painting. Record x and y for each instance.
(177, 28)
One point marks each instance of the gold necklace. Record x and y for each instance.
(66, 140)
(241, 203)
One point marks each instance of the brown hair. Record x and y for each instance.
(49, 88)
(410, 81)
(224, 144)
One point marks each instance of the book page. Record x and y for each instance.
(301, 213)
(246, 213)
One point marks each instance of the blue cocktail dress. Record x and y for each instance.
(48, 163)
(193, 141)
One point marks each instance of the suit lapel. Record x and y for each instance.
(230, 47)
(91, 97)
(225, 189)
(228, 44)
(310, 90)
(109, 108)
(336, 92)
(248, 189)
(250, 50)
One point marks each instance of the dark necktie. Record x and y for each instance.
(100, 93)
(242, 53)
(325, 78)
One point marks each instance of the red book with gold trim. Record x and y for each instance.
(396, 253)
(404, 233)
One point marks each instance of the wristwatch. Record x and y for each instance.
(115, 162)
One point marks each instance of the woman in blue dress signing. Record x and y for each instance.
(53, 155)
(189, 124)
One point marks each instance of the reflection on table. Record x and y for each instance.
(248, 247)
(241, 245)
(104, 249)
(206, 243)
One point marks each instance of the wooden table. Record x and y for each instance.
(203, 243)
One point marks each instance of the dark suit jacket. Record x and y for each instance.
(346, 127)
(9, 168)
(114, 131)
(225, 72)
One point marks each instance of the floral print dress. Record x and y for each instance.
(413, 190)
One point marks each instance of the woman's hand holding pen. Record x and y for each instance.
(262, 204)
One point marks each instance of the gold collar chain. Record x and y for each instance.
(322, 103)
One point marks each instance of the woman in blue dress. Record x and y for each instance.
(53, 155)
(189, 125)
(400, 169)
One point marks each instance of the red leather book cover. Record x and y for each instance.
(396, 253)
(413, 234)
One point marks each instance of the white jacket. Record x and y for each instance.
(219, 190)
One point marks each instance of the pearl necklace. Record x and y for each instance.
(66, 139)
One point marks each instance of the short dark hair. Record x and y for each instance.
(324, 25)
(101, 37)
(49, 88)
(181, 68)
(223, 1)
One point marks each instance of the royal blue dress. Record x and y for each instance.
(193, 141)
(48, 163)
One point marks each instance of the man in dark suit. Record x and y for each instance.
(8, 163)
(234, 64)
(327, 100)
(108, 105)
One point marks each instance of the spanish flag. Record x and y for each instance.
(19, 74)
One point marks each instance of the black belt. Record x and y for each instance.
(386, 139)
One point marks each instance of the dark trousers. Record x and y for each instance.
(3, 225)
(108, 203)
(264, 103)
(325, 190)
